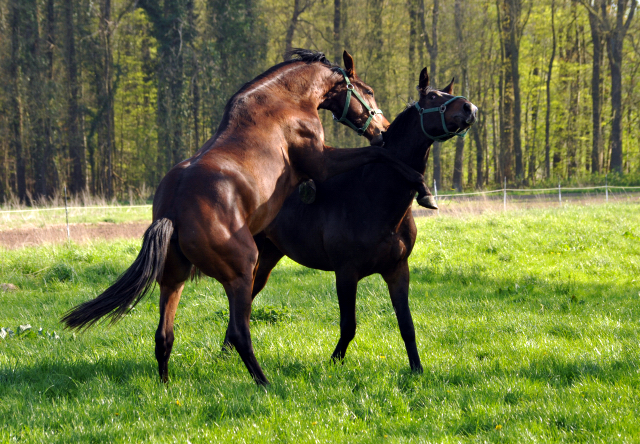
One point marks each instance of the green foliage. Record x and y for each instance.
(539, 348)
(218, 45)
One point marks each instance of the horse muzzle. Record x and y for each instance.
(377, 140)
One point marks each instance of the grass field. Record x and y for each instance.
(43, 217)
(527, 325)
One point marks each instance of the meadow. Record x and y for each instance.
(527, 325)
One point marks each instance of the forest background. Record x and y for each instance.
(105, 96)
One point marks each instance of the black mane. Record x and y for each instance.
(308, 56)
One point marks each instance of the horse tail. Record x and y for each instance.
(132, 285)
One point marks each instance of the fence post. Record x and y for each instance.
(66, 211)
(504, 191)
(606, 188)
(559, 193)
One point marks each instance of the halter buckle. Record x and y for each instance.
(350, 86)
(443, 108)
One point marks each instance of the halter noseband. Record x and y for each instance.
(442, 108)
(344, 119)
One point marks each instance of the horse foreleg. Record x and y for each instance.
(398, 283)
(176, 272)
(347, 287)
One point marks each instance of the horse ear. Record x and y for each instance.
(449, 88)
(423, 83)
(349, 64)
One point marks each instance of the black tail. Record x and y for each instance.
(133, 285)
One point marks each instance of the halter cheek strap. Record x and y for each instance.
(343, 119)
(442, 108)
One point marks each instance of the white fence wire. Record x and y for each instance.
(513, 192)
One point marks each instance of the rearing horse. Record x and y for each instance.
(207, 208)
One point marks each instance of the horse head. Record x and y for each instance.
(353, 103)
(457, 114)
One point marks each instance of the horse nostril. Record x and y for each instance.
(467, 108)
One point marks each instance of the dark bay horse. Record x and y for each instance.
(207, 208)
(361, 222)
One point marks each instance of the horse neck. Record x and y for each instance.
(407, 142)
(300, 82)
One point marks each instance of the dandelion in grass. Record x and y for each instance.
(178, 403)
(314, 423)
(382, 357)
(498, 427)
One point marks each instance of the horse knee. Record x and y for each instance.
(164, 343)
(238, 337)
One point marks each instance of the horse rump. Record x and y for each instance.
(132, 285)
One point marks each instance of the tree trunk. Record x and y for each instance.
(106, 115)
(615, 42)
(337, 52)
(51, 171)
(74, 137)
(35, 114)
(532, 144)
(432, 47)
(547, 146)
(510, 144)
(291, 29)
(377, 77)
(477, 137)
(515, 11)
(16, 103)
(597, 38)
(458, 162)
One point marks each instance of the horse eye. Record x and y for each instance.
(432, 97)
(369, 92)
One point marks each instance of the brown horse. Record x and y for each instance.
(207, 208)
(361, 222)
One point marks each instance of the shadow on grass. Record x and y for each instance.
(553, 371)
(66, 378)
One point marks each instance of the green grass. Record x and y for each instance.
(45, 216)
(527, 326)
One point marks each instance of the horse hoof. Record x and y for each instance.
(428, 202)
(307, 190)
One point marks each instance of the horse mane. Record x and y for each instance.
(309, 56)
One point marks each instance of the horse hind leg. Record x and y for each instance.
(176, 271)
(231, 262)
(268, 258)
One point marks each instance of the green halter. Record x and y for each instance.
(442, 108)
(344, 119)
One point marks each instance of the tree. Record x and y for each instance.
(77, 180)
(15, 92)
(598, 42)
(511, 26)
(432, 48)
(547, 145)
(460, 40)
(173, 34)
